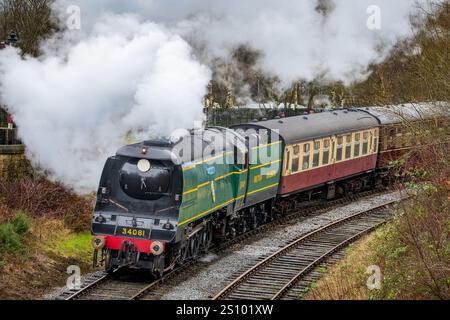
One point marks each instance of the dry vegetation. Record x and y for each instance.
(41, 198)
(39, 262)
(40, 225)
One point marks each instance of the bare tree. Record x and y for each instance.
(30, 19)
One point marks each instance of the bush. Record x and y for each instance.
(12, 233)
(21, 223)
(9, 239)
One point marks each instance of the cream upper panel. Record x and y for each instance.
(318, 153)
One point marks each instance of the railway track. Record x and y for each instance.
(118, 286)
(286, 273)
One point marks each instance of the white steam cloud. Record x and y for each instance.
(297, 40)
(75, 109)
(131, 67)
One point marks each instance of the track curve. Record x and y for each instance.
(273, 277)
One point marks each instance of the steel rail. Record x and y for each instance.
(319, 260)
(88, 287)
(293, 245)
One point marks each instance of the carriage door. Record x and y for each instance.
(241, 166)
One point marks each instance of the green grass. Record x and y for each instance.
(322, 269)
(76, 246)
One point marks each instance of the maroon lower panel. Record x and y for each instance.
(337, 171)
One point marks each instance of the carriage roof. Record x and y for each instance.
(319, 125)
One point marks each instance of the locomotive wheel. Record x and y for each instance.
(262, 214)
(207, 237)
(231, 227)
(262, 217)
(242, 225)
(252, 220)
(109, 267)
(232, 233)
(184, 253)
(194, 245)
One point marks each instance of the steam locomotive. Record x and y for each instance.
(163, 202)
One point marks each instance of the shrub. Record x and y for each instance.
(21, 223)
(9, 239)
(12, 233)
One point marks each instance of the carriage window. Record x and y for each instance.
(295, 164)
(348, 146)
(316, 156)
(326, 152)
(357, 144)
(375, 143)
(306, 156)
(339, 147)
(306, 148)
(296, 159)
(365, 143)
(288, 155)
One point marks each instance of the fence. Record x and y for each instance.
(8, 137)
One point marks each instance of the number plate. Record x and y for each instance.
(133, 232)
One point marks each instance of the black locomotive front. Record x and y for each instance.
(136, 214)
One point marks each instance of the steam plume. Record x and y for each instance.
(132, 67)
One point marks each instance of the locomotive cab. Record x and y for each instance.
(136, 213)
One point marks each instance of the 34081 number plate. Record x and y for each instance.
(133, 232)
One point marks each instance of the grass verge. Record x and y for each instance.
(39, 263)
